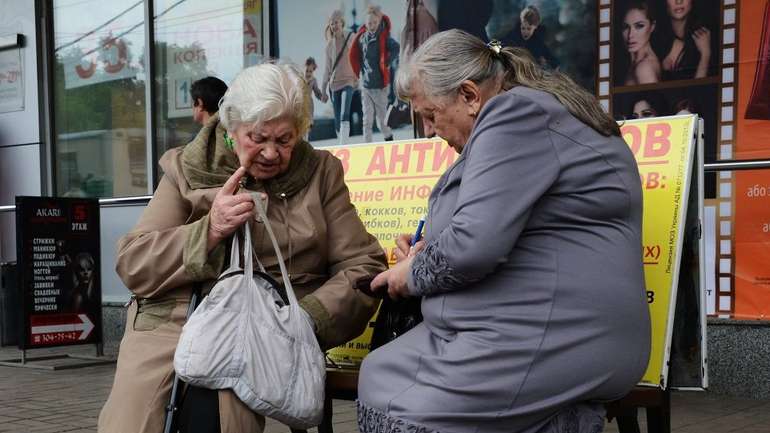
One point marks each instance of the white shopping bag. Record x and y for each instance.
(245, 337)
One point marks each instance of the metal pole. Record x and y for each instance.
(173, 404)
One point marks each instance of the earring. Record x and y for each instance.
(229, 142)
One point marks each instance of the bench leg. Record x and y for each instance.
(628, 422)
(326, 423)
(659, 417)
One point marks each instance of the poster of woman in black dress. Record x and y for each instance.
(664, 40)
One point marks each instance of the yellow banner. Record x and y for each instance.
(663, 148)
(389, 185)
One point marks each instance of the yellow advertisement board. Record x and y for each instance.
(664, 149)
(389, 184)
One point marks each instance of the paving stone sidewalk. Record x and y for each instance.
(70, 400)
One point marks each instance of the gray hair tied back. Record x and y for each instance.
(448, 58)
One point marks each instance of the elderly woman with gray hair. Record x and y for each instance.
(180, 241)
(530, 274)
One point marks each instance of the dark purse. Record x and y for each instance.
(395, 317)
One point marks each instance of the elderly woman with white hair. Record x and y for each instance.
(531, 277)
(253, 144)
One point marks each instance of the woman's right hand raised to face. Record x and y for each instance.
(229, 210)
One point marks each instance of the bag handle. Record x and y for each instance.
(235, 256)
(247, 247)
(248, 266)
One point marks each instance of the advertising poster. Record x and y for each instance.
(665, 61)
(698, 99)
(752, 245)
(752, 188)
(11, 82)
(559, 34)
(753, 108)
(664, 41)
(389, 185)
(338, 49)
(58, 259)
(664, 150)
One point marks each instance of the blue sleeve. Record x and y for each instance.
(510, 164)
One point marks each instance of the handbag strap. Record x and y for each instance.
(247, 247)
(235, 256)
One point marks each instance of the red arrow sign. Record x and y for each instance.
(60, 327)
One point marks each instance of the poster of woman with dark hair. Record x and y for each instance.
(687, 39)
(83, 273)
(664, 40)
(759, 103)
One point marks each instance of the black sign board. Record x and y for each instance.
(58, 258)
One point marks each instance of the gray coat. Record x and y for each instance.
(532, 281)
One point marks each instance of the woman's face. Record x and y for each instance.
(637, 29)
(337, 25)
(643, 109)
(679, 9)
(448, 120)
(85, 271)
(373, 22)
(265, 150)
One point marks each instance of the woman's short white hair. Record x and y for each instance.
(265, 92)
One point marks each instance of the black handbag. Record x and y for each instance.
(395, 317)
(398, 115)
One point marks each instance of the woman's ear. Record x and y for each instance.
(470, 94)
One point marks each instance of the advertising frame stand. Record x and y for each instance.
(59, 282)
(678, 357)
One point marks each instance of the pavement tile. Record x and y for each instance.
(39, 401)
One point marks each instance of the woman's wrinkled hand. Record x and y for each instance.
(404, 248)
(229, 210)
(394, 280)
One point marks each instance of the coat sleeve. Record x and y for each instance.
(393, 48)
(355, 56)
(338, 311)
(328, 65)
(511, 163)
(163, 251)
(316, 90)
